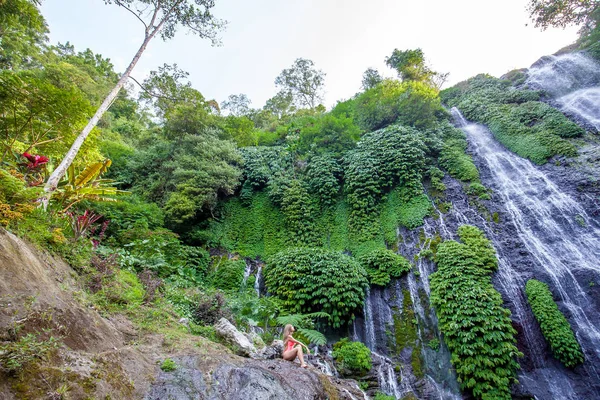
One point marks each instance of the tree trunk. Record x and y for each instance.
(60, 171)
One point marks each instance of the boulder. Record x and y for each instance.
(270, 352)
(228, 332)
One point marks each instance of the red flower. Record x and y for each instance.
(35, 161)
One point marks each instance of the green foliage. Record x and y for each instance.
(409, 103)
(303, 81)
(453, 157)
(353, 357)
(326, 133)
(410, 65)
(16, 355)
(371, 78)
(554, 325)
(227, 274)
(161, 252)
(304, 325)
(312, 280)
(23, 33)
(476, 328)
(383, 396)
(383, 159)
(477, 189)
(168, 365)
(517, 119)
(299, 210)
(119, 291)
(434, 344)
(323, 175)
(382, 265)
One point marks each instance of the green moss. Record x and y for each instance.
(496, 217)
(405, 327)
(417, 363)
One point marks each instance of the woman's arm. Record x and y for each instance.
(298, 342)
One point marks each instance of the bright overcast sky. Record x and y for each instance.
(342, 37)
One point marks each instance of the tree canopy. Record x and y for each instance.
(304, 82)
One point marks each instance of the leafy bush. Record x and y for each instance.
(121, 290)
(381, 160)
(476, 328)
(383, 396)
(313, 280)
(228, 274)
(210, 308)
(382, 265)
(353, 357)
(554, 325)
(168, 365)
(409, 103)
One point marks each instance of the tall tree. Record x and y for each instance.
(237, 104)
(411, 66)
(304, 82)
(159, 17)
(562, 13)
(371, 78)
(22, 32)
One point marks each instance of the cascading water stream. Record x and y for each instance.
(563, 240)
(258, 280)
(573, 80)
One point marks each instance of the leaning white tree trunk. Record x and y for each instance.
(60, 171)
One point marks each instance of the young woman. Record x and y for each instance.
(293, 348)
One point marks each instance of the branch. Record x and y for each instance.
(118, 2)
(154, 94)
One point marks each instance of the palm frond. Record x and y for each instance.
(313, 336)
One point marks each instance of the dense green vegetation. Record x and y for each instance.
(352, 357)
(170, 200)
(554, 325)
(517, 118)
(312, 280)
(476, 328)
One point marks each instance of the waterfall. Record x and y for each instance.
(573, 80)
(563, 242)
(247, 273)
(257, 280)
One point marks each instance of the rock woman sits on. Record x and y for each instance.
(293, 348)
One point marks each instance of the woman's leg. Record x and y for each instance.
(290, 355)
(300, 355)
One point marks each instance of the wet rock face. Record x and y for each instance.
(248, 380)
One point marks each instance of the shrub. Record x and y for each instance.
(477, 329)
(554, 325)
(168, 365)
(382, 265)
(228, 274)
(210, 309)
(123, 289)
(313, 280)
(353, 357)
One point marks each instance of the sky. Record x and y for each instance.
(342, 37)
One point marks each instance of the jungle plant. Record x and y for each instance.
(352, 357)
(316, 280)
(86, 185)
(382, 265)
(477, 329)
(304, 325)
(554, 325)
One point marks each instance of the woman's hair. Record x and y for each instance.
(287, 331)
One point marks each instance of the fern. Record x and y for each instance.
(312, 336)
(304, 324)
